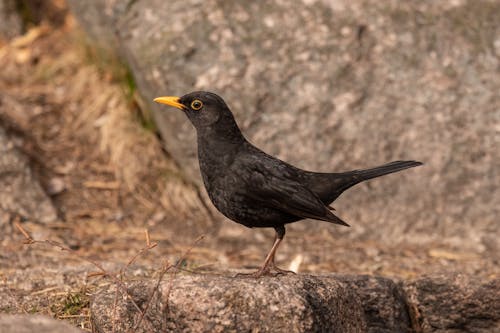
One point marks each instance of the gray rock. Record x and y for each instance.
(304, 303)
(10, 22)
(20, 192)
(34, 323)
(99, 19)
(454, 304)
(384, 303)
(334, 86)
(222, 304)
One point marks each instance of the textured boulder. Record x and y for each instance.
(304, 303)
(34, 323)
(457, 304)
(384, 303)
(224, 304)
(335, 86)
(20, 192)
(99, 18)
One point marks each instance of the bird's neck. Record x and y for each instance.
(220, 142)
(218, 146)
(224, 133)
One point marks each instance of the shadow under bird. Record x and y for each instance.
(255, 189)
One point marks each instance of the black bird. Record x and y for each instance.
(255, 189)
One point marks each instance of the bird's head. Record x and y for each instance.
(204, 109)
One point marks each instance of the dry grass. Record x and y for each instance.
(97, 108)
(107, 174)
(75, 305)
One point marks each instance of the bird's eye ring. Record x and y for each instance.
(196, 104)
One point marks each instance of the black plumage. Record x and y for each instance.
(255, 189)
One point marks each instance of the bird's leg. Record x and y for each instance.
(269, 264)
(280, 234)
(269, 261)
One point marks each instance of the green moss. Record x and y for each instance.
(73, 304)
(129, 82)
(145, 118)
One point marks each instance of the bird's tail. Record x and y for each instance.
(385, 169)
(329, 186)
(352, 178)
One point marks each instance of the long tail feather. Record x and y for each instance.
(329, 189)
(385, 169)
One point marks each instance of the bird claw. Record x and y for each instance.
(280, 271)
(255, 275)
(271, 270)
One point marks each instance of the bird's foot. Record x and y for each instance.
(270, 270)
(280, 271)
(256, 274)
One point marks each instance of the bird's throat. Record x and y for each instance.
(217, 151)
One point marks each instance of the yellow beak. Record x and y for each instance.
(170, 100)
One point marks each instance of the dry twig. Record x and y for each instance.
(118, 279)
(29, 240)
(166, 267)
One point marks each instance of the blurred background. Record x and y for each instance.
(88, 160)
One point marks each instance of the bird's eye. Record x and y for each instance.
(196, 104)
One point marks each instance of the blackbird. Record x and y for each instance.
(255, 189)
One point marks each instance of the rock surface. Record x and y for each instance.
(34, 323)
(384, 303)
(335, 86)
(223, 304)
(20, 193)
(305, 303)
(459, 304)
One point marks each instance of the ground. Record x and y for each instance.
(96, 153)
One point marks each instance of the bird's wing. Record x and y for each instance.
(276, 188)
